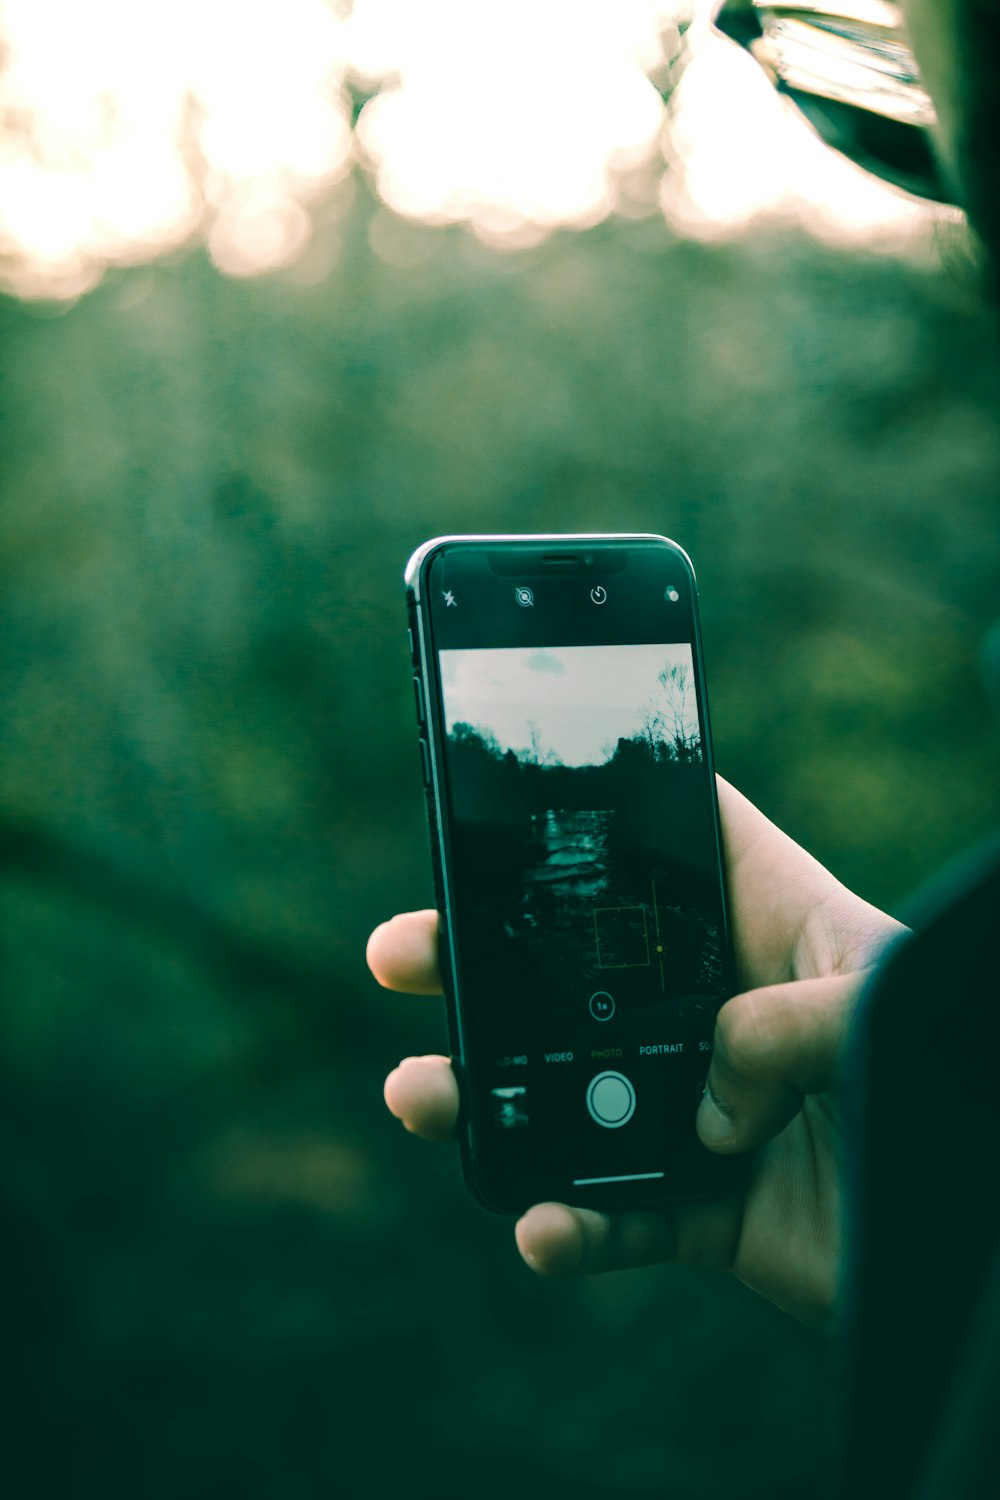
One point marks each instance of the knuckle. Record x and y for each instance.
(749, 1030)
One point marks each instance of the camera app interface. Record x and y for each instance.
(586, 883)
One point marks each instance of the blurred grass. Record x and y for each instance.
(228, 1271)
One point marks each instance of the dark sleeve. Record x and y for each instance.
(923, 1216)
(963, 1456)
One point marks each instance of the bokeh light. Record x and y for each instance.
(129, 127)
(511, 117)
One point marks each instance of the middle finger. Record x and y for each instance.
(423, 1093)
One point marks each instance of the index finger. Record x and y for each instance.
(792, 919)
(403, 953)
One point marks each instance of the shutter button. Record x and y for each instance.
(611, 1100)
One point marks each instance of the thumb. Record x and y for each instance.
(772, 1047)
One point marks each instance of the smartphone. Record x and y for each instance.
(585, 946)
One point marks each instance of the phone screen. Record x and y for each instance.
(582, 871)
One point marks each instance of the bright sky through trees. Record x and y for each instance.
(579, 700)
(128, 127)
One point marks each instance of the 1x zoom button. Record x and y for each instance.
(611, 1099)
(418, 693)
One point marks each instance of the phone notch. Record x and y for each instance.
(529, 561)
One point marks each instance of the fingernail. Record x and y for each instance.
(715, 1125)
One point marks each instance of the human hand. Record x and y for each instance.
(803, 943)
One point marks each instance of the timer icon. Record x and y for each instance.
(599, 594)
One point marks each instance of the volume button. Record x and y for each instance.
(425, 763)
(418, 693)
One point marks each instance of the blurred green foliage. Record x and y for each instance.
(228, 1273)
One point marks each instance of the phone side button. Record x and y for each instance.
(425, 762)
(418, 693)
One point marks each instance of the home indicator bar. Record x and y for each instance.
(626, 1177)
